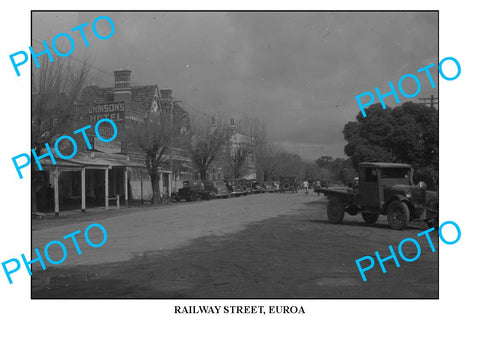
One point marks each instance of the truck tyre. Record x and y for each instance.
(398, 215)
(370, 217)
(335, 210)
(193, 197)
(433, 224)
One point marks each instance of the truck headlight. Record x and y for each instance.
(408, 195)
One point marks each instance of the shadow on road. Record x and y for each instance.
(298, 255)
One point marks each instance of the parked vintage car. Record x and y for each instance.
(288, 184)
(270, 187)
(384, 189)
(220, 189)
(255, 187)
(193, 190)
(237, 187)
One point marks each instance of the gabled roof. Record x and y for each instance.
(141, 99)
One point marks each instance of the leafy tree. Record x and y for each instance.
(405, 134)
(324, 161)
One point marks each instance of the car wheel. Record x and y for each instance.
(370, 217)
(398, 215)
(335, 210)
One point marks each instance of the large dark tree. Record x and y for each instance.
(404, 134)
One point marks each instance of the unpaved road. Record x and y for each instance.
(259, 246)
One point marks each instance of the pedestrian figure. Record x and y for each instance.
(305, 186)
(317, 185)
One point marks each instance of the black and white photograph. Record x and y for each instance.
(238, 170)
(234, 155)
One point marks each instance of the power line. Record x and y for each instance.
(96, 68)
(111, 78)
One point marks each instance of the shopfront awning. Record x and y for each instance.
(90, 160)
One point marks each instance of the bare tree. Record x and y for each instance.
(236, 159)
(152, 137)
(209, 139)
(254, 128)
(55, 88)
(267, 160)
(288, 164)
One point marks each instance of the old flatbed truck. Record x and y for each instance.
(384, 189)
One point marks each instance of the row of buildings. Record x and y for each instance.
(116, 171)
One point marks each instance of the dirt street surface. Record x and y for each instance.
(258, 246)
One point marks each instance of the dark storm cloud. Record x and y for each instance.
(299, 72)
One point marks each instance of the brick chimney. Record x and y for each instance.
(122, 90)
(165, 94)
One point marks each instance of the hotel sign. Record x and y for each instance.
(113, 111)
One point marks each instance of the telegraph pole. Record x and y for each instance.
(432, 99)
(172, 178)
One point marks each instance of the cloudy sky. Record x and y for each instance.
(300, 71)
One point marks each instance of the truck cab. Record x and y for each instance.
(379, 182)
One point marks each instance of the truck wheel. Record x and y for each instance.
(433, 224)
(193, 197)
(335, 210)
(398, 215)
(370, 217)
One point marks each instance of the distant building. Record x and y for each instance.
(237, 142)
(224, 166)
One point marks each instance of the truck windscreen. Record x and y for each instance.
(395, 172)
